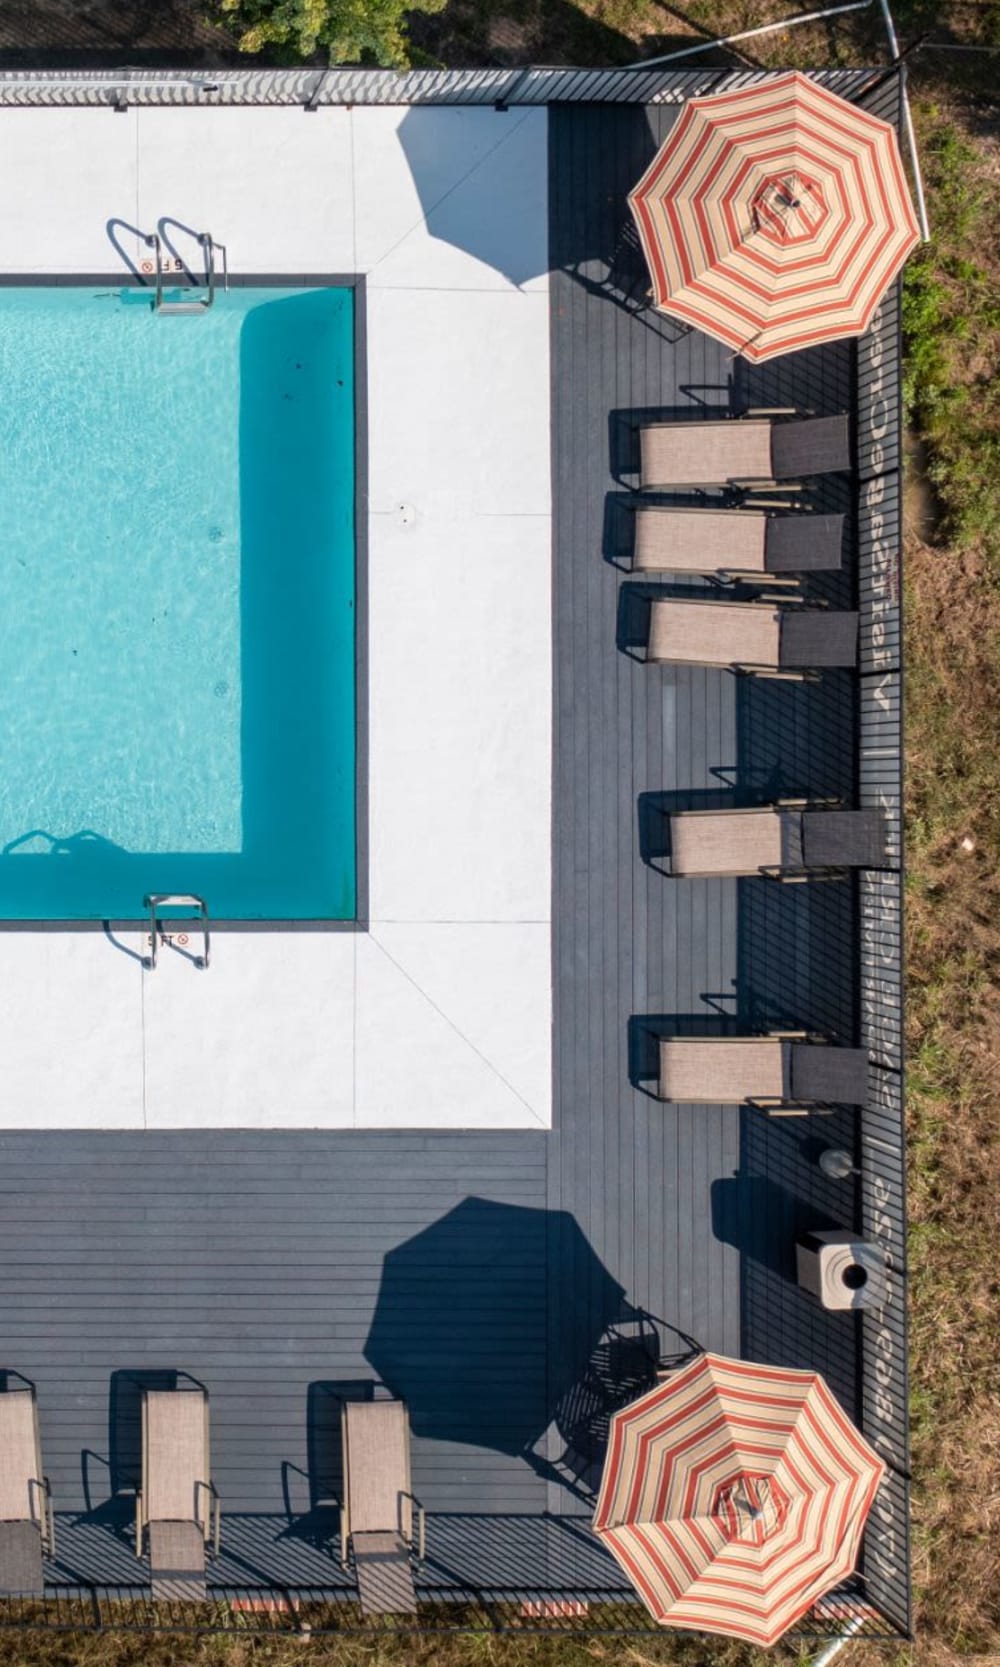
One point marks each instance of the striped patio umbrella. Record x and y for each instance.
(734, 1496)
(775, 217)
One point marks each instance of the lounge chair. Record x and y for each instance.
(741, 451)
(735, 543)
(177, 1506)
(795, 841)
(778, 1074)
(376, 1524)
(756, 638)
(27, 1527)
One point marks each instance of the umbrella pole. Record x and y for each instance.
(911, 138)
(836, 1644)
(748, 34)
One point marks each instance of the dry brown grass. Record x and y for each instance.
(953, 942)
(37, 1649)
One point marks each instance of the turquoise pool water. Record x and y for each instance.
(177, 645)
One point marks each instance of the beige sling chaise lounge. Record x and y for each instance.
(377, 1519)
(788, 842)
(177, 1507)
(26, 1520)
(741, 450)
(757, 638)
(779, 1075)
(735, 543)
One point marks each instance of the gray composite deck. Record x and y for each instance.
(498, 1282)
(694, 1210)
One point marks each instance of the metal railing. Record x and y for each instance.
(156, 901)
(308, 1611)
(164, 303)
(313, 89)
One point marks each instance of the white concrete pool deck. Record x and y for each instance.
(439, 1014)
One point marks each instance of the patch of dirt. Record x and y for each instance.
(922, 511)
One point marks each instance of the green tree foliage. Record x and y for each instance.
(344, 31)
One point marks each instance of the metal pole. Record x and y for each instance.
(911, 138)
(511, 89)
(748, 34)
(312, 102)
(836, 1644)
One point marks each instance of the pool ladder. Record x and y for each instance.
(201, 303)
(158, 900)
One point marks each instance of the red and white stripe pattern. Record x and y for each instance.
(775, 217)
(734, 1496)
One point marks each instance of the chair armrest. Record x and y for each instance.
(421, 1517)
(748, 669)
(754, 576)
(50, 1514)
(771, 1106)
(767, 484)
(138, 1522)
(212, 1526)
(40, 1501)
(789, 876)
(776, 411)
(776, 496)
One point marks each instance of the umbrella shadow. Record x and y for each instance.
(499, 1325)
(502, 1329)
(460, 1328)
(481, 192)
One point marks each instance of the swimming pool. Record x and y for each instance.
(177, 629)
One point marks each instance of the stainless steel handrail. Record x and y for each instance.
(175, 900)
(201, 303)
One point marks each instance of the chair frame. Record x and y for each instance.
(769, 871)
(208, 1504)
(749, 668)
(40, 1503)
(787, 583)
(415, 1543)
(753, 483)
(770, 1105)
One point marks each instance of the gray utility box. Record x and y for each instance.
(841, 1270)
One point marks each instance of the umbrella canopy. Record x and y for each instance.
(734, 1495)
(775, 217)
